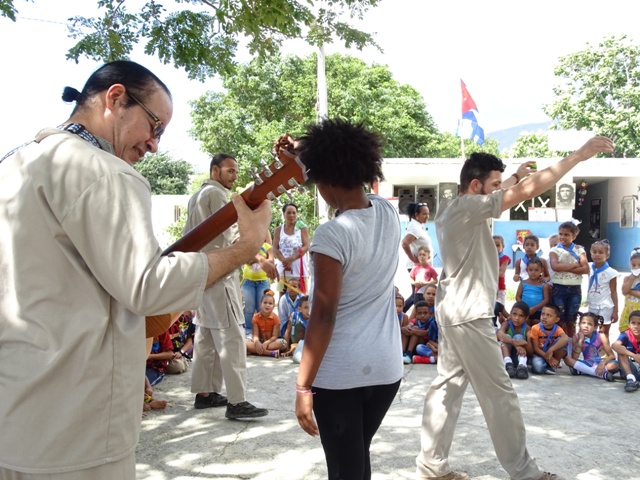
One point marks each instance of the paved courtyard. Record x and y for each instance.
(583, 428)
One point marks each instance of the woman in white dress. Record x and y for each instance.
(290, 247)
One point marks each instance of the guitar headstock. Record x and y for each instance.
(285, 173)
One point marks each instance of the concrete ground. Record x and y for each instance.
(579, 427)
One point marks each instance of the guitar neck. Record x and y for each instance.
(198, 237)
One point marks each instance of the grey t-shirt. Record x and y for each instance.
(469, 283)
(365, 348)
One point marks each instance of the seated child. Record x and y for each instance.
(513, 336)
(403, 318)
(151, 403)
(631, 290)
(534, 291)
(181, 333)
(288, 303)
(428, 352)
(627, 346)
(417, 331)
(421, 275)
(158, 360)
(501, 297)
(590, 343)
(547, 341)
(299, 321)
(266, 330)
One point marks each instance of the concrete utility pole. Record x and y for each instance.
(322, 111)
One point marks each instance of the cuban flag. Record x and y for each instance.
(468, 126)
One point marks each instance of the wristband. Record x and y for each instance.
(517, 177)
(305, 391)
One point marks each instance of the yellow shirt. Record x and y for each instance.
(253, 271)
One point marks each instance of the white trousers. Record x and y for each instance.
(123, 469)
(470, 353)
(220, 354)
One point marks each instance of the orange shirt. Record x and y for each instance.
(541, 338)
(265, 324)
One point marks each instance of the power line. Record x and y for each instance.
(41, 20)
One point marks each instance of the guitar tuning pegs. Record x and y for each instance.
(277, 163)
(256, 178)
(293, 183)
(271, 196)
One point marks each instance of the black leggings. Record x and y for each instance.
(348, 420)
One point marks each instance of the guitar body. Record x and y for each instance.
(285, 173)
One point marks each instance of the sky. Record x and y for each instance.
(505, 51)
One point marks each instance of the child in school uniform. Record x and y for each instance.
(531, 245)
(403, 318)
(513, 337)
(627, 346)
(534, 291)
(501, 297)
(602, 295)
(548, 341)
(569, 263)
(631, 290)
(589, 344)
(417, 331)
(427, 352)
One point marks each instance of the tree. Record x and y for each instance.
(202, 36)
(266, 98)
(166, 176)
(447, 145)
(601, 92)
(531, 145)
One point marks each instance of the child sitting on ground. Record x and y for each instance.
(513, 336)
(403, 318)
(428, 352)
(531, 246)
(500, 311)
(547, 341)
(161, 354)
(289, 302)
(266, 330)
(627, 346)
(421, 275)
(299, 322)
(589, 342)
(631, 290)
(151, 403)
(534, 291)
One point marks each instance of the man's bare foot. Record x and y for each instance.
(158, 404)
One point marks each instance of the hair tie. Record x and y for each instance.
(70, 94)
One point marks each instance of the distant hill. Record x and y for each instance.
(507, 136)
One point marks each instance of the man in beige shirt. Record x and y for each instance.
(79, 269)
(220, 351)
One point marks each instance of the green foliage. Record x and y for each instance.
(166, 176)
(530, 145)
(202, 36)
(175, 229)
(266, 98)
(306, 203)
(600, 91)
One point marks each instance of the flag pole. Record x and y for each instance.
(462, 144)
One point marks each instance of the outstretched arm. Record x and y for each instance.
(545, 179)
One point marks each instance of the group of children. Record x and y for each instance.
(281, 334)
(540, 329)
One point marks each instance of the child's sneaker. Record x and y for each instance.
(421, 359)
(574, 371)
(406, 360)
(550, 371)
(550, 476)
(522, 372)
(631, 386)
(511, 370)
(608, 376)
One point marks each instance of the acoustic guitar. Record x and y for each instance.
(285, 173)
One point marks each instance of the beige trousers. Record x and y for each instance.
(470, 353)
(123, 469)
(220, 354)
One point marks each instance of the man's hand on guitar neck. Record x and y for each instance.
(252, 228)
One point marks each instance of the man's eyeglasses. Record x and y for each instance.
(158, 126)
